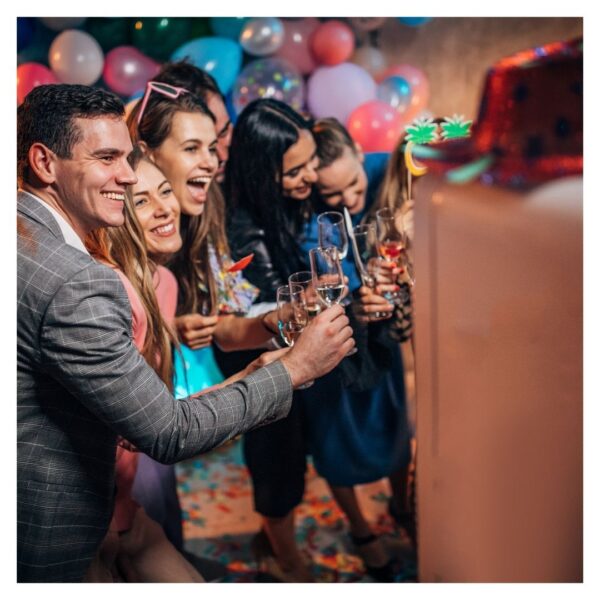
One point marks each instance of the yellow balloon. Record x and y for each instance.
(415, 168)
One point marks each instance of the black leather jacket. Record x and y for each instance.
(265, 271)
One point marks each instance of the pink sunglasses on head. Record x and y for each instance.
(170, 91)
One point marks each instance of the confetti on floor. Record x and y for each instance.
(219, 521)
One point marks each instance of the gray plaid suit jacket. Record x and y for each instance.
(80, 382)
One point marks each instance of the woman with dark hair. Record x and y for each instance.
(272, 168)
(268, 181)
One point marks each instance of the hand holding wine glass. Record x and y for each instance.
(328, 277)
(304, 279)
(373, 305)
(292, 315)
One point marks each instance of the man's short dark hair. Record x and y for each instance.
(48, 114)
(186, 75)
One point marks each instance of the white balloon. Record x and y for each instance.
(370, 59)
(76, 57)
(262, 36)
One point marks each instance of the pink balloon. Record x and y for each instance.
(332, 43)
(295, 48)
(126, 70)
(376, 126)
(29, 76)
(419, 87)
(337, 91)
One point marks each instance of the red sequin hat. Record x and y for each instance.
(530, 124)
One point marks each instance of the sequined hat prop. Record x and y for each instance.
(530, 124)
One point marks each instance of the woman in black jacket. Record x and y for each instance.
(268, 181)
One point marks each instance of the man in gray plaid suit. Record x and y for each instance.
(80, 380)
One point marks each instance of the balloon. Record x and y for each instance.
(109, 32)
(367, 23)
(295, 48)
(228, 27)
(396, 92)
(419, 87)
(332, 43)
(60, 23)
(376, 126)
(262, 36)
(269, 78)
(25, 29)
(369, 58)
(414, 21)
(29, 76)
(220, 57)
(337, 91)
(158, 37)
(76, 57)
(126, 70)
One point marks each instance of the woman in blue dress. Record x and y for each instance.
(269, 180)
(357, 424)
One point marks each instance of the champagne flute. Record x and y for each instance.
(391, 242)
(328, 277)
(304, 279)
(291, 316)
(332, 232)
(366, 244)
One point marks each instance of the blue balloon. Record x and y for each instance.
(25, 29)
(220, 57)
(414, 21)
(228, 27)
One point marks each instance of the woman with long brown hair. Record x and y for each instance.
(177, 130)
(136, 548)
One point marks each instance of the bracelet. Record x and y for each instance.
(264, 324)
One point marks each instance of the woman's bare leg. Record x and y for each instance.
(281, 533)
(373, 553)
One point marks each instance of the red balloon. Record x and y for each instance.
(127, 70)
(30, 75)
(419, 87)
(376, 126)
(332, 43)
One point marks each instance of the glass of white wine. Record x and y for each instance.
(292, 316)
(304, 279)
(332, 232)
(328, 277)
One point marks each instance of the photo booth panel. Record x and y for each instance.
(499, 376)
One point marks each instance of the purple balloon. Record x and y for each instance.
(337, 91)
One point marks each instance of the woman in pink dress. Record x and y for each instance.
(136, 548)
